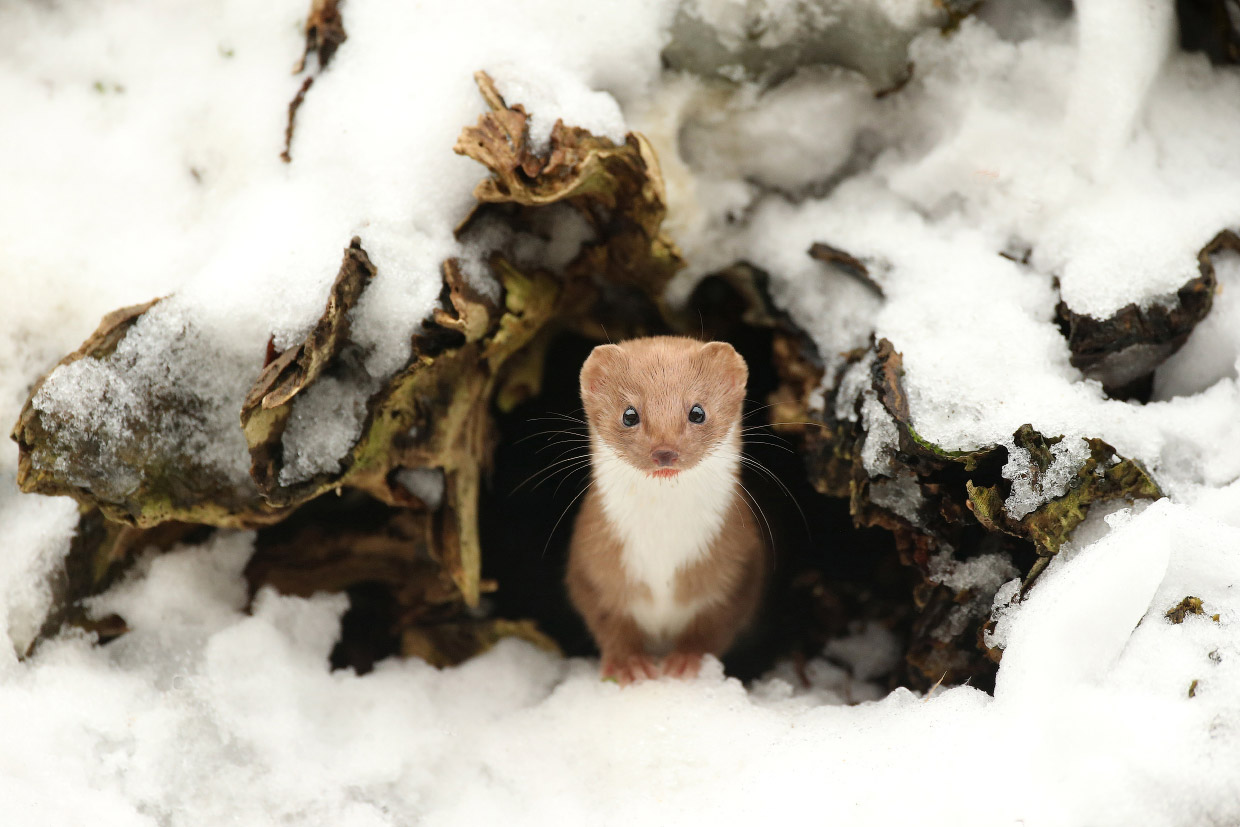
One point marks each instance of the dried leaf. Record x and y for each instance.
(57, 458)
(845, 263)
(888, 372)
(1102, 477)
(986, 504)
(324, 33)
(434, 413)
(1188, 606)
(1123, 349)
(36, 441)
(618, 190)
(333, 544)
(286, 154)
(266, 410)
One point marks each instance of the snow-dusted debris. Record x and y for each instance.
(1033, 486)
(145, 418)
(768, 41)
(315, 419)
(424, 483)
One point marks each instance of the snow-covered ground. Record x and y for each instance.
(139, 156)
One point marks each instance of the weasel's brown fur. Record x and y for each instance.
(612, 567)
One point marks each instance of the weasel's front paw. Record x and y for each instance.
(682, 664)
(629, 668)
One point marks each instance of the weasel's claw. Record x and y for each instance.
(629, 669)
(682, 664)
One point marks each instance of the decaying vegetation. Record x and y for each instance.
(480, 355)
(435, 414)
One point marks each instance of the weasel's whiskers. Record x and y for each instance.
(573, 442)
(756, 410)
(775, 424)
(760, 514)
(750, 462)
(567, 471)
(551, 469)
(554, 416)
(740, 513)
(564, 514)
(550, 432)
(769, 444)
(566, 451)
(569, 475)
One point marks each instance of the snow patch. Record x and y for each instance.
(1033, 487)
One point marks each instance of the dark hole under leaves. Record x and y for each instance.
(826, 573)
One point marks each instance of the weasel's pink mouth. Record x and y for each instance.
(665, 473)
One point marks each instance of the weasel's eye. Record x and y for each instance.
(696, 415)
(630, 417)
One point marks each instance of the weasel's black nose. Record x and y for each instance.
(664, 457)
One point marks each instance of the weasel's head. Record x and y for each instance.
(663, 403)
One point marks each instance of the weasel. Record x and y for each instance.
(666, 558)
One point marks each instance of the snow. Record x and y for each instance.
(984, 573)
(327, 419)
(740, 40)
(426, 484)
(901, 495)
(881, 436)
(124, 734)
(1032, 487)
(37, 532)
(139, 150)
(776, 139)
(869, 652)
(1213, 348)
(1075, 629)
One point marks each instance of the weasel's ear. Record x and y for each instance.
(599, 366)
(722, 357)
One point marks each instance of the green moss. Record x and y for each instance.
(1103, 477)
(968, 459)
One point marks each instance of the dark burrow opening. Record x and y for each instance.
(829, 576)
(826, 577)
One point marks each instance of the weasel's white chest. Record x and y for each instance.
(665, 526)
